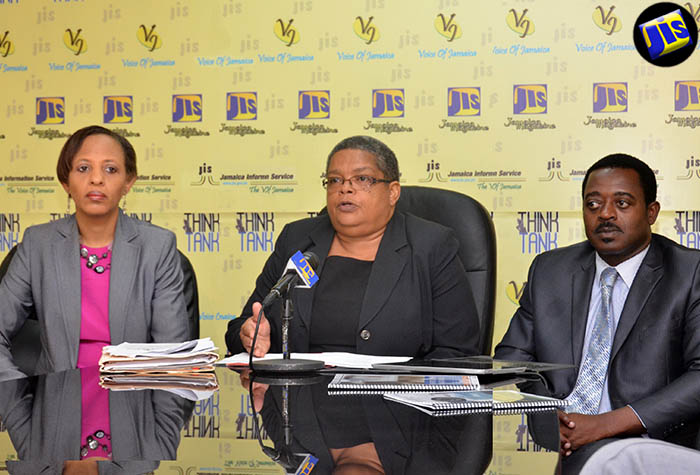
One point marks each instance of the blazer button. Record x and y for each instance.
(365, 335)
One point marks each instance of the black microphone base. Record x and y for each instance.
(287, 366)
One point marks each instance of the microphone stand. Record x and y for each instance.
(287, 364)
(284, 456)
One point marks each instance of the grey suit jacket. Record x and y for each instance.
(655, 358)
(417, 303)
(44, 424)
(146, 303)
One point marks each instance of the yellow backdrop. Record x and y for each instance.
(232, 106)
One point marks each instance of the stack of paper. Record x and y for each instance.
(338, 359)
(191, 356)
(185, 368)
(194, 386)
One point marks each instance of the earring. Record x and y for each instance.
(68, 205)
(124, 204)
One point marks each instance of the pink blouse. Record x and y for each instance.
(94, 308)
(95, 440)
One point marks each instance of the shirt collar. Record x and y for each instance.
(627, 269)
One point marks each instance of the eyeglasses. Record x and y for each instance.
(357, 182)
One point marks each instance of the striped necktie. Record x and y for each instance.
(585, 398)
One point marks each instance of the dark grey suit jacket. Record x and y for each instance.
(146, 303)
(418, 301)
(655, 359)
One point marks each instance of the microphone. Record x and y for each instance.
(299, 267)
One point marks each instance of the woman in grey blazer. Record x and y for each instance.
(96, 277)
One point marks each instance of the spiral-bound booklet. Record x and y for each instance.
(465, 402)
(380, 383)
(508, 401)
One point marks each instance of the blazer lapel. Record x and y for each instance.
(321, 238)
(389, 263)
(648, 275)
(67, 261)
(582, 280)
(125, 259)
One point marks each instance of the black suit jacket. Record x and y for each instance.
(407, 441)
(655, 358)
(418, 301)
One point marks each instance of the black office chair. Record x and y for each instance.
(474, 229)
(26, 344)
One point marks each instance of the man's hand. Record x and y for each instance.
(577, 430)
(262, 344)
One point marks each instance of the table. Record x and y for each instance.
(218, 435)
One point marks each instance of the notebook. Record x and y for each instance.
(512, 402)
(345, 383)
(466, 402)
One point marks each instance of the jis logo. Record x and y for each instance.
(50, 110)
(463, 101)
(241, 106)
(118, 110)
(187, 107)
(665, 34)
(686, 94)
(387, 103)
(314, 104)
(610, 97)
(530, 99)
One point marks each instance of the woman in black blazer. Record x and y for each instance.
(390, 283)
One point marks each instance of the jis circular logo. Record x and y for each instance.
(665, 34)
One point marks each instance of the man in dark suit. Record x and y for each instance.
(634, 335)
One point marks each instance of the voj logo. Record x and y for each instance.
(202, 230)
(365, 30)
(241, 106)
(538, 231)
(610, 97)
(148, 37)
(314, 104)
(665, 34)
(50, 110)
(257, 231)
(606, 20)
(9, 231)
(463, 101)
(285, 32)
(448, 27)
(7, 47)
(530, 99)
(686, 94)
(118, 110)
(74, 41)
(687, 226)
(388, 103)
(187, 108)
